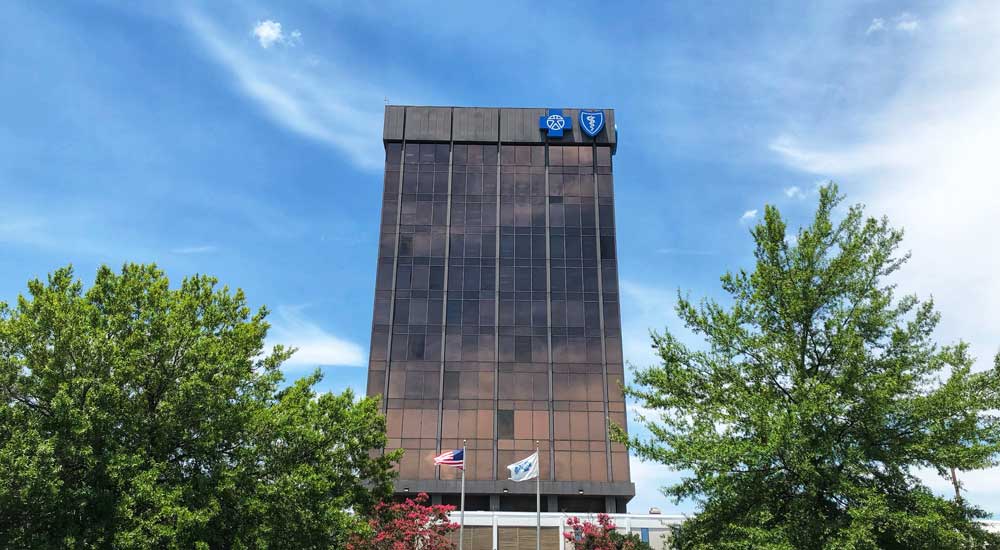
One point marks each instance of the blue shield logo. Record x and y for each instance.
(555, 123)
(592, 122)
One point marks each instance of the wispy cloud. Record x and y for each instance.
(316, 346)
(331, 107)
(877, 24)
(794, 192)
(202, 249)
(904, 22)
(749, 215)
(927, 159)
(907, 23)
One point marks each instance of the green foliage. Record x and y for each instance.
(817, 394)
(134, 415)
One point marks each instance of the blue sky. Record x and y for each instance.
(243, 140)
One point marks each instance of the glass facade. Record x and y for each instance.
(496, 317)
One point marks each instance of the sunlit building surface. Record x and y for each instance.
(496, 317)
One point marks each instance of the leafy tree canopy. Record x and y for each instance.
(817, 394)
(134, 415)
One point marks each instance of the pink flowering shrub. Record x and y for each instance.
(602, 535)
(408, 525)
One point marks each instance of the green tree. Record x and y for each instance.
(817, 394)
(134, 415)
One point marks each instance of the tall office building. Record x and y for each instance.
(496, 306)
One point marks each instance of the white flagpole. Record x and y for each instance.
(461, 524)
(538, 500)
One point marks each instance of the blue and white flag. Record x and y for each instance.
(525, 469)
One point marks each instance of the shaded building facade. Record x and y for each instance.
(496, 316)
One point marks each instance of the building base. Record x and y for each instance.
(507, 496)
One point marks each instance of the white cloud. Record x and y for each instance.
(749, 215)
(203, 249)
(331, 107)
(794, 192)
(927, 159)
(268, 33)
(907, 23)
(878, 24)
(316, 346)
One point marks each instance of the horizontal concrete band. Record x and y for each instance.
(486, 125)
(475, 487)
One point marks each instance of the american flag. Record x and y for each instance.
(454, 458)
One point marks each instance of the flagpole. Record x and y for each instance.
(461, 524)
(538, 499)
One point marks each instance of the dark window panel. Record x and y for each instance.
(508, 154)
(506, 279)
(415, 347)
(592, 315)
(610, 276)
(604, 156)
(418, 312)
(558, 313)
(425, 182)
(456, 277)
(574, 279)
(507, 246)
(470, 312)
(475, 154)
(378, 347)
(573, 246)
(486, 313)
(506, 312)
(611, 314)
(410, 179)
(406, 245)
(574, 313)
(471, 279)
(418, 277)
(557, 246)
(523, 154)
(454, 315)
(505, 424)
(398, 352)
(436, 278)
(555, 185)
(392, 152)
(434, 311)
(539, 313)
(460, 154)
(432, 349)
(555, 156)
(506, 345)
(402, 311)
(490, 155)
(487, 279)
(383, 277)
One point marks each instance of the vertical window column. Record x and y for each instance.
(469, 361)
(523, 404)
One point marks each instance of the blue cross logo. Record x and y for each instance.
(555, 123)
